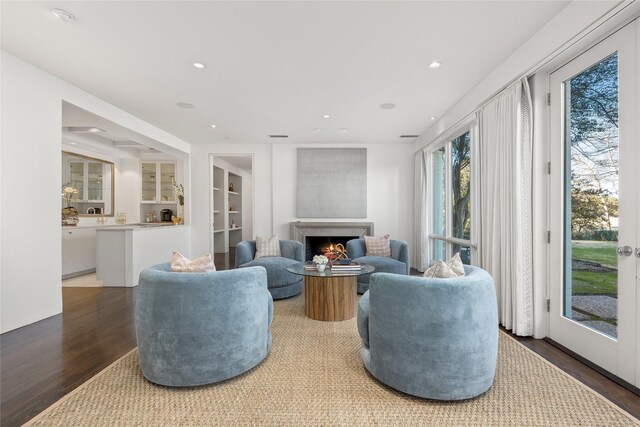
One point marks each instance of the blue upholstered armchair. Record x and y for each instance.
(201, 328)
(398, 263)
(281, 283)
(432, 338)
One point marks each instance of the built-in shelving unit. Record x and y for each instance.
(220, 244)
(227, 209)
(235, 208)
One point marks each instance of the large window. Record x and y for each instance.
(452, 192)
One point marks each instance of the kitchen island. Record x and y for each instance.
(124, 251)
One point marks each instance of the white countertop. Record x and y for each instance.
(120, 226)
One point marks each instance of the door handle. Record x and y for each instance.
(625, 250)
(637, 252)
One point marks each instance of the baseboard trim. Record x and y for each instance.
(78, 273)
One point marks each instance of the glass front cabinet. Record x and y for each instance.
(157, 182)
(93, 178)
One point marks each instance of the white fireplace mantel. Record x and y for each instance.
(300, 230)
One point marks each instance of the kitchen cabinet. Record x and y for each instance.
(78, 251)
(157, 190)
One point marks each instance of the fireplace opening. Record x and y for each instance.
(316, 245)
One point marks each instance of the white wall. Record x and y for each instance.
(30, 164)
(389, 188)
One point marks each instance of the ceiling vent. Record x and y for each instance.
(409, 136)
(278, 136)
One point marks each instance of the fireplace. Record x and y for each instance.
(316, 235)
(318, 245)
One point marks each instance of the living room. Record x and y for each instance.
(340, 87)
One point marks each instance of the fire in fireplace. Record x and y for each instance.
(319, 245)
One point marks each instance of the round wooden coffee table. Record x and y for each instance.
(330, 296)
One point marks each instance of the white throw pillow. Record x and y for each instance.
(180, 263)
(446, 270)
(378, 246)
(456, 265)
(267, 247)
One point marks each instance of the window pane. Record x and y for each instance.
(461, 186)
(465, 253)
(438, 250)
(591, 194)
(439, 193)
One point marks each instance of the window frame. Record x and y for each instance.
(430, 153)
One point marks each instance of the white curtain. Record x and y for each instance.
(420, 246)
(505, 245)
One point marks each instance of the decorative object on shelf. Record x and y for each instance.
(233, 224)
(69, 213)
(321, 262)
(101, 219)
(179, 192)
(177, 220)
(231, 187)
(121, 218)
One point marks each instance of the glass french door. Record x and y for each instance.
(594, 193)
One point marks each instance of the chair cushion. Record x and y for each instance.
(199, 265)
(446, 270)
(380, 246)
(277, 274)
(381, 265)
(267, 247)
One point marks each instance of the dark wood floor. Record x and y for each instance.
(42, 362)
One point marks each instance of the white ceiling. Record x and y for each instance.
(275, 67)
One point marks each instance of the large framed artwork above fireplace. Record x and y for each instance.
(316, 235)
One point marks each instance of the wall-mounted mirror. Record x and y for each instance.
(93, 180)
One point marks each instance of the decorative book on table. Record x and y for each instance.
(338, 267)
(310, 265)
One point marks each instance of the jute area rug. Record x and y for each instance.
(314, 377)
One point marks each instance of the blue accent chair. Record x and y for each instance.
(431, 338)
(201, 328)
(281, 283)
(398, 263)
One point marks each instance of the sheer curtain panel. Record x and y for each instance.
(420, 250)
(505, 246)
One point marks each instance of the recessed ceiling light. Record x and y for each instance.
(199, 65)
(73, 143)
(388, 106)
(343, 130)
(230, 138)
(317, 129)
(84, 129)
(185, 105)
(213, 126)
(435, 64)
(326, 116)
(432, 117)
(62, 15)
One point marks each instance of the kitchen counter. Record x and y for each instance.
(96, 226)
(123, 251)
